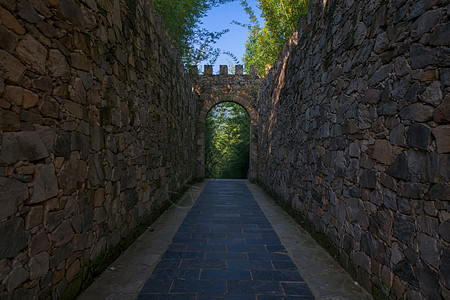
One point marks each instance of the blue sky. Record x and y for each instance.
(220, 18)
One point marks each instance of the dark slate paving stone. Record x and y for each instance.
(296, 289)
(168, 264)
(182, 274)
(231, 297)
(262, 242)
(208, 235)
(269, 256)
(254, 287)
(259, 230)
(249, 265)
(226, 275)
(269, 235)
(269, 297)
(225, 249)
(284, 265)
(156, 286)
(244, 235)
(203, 264)
(276, 275)
(226, 241)
(199, 286)
(247, 248)
(275, 248)
(183, 254)
(166, 297)
(207, 248)
(226, 256)
(227, 221)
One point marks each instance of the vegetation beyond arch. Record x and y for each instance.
(227, 141)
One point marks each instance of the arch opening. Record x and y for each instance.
(227, 141)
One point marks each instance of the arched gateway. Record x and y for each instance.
(214, 89)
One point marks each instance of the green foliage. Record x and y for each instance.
(182, 20)
(227, 138)
(265, 43)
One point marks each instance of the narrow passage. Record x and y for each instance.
(225, 249)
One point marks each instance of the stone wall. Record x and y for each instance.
(211, 90)
(354, 139)
(97, 128)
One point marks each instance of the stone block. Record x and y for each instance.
(428, 283)
(404, 228)
(418, 136)
(63, 144)
(12, 194)
(10, 67)
(223, 70)
(30, 99)
(27, 12)
(32, 52)
(45, 185)
(442, 135)
(382, 151)
(73, 271)
(62, 234)
(207, 69)
(442, 112)
(368, 179)
(8, 39)
(43, 84)
(439, 191)
(57, 64)
(440, 35)
(9, 121)
(13, 94)
(425, 23)
(411, 190)
(17, 276)
(432, 94)
(35, 217)
(19, 146)
(39, 265)
(39, 243)
(72, 11)
(13, 237)
(417, 112)
(9, 21)
(79, 61)
(421, 57)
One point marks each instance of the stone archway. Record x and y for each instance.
(215, 89)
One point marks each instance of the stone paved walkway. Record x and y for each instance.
(227, 247)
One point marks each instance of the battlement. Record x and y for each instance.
(238, 70)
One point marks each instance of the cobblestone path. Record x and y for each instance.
(225, 249)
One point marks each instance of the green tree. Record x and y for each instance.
(227, 138)
(265, 43)
(182, 18)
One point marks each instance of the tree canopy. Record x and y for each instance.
(227, 139)
(266, 42)
(182, 19)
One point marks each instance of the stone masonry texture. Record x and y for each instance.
(354, 138)
(97, 131)
(100, 126)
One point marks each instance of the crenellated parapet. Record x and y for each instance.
(238, 70)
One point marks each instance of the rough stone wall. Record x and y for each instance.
(97, 128)
(354, 138)
(213, 89)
